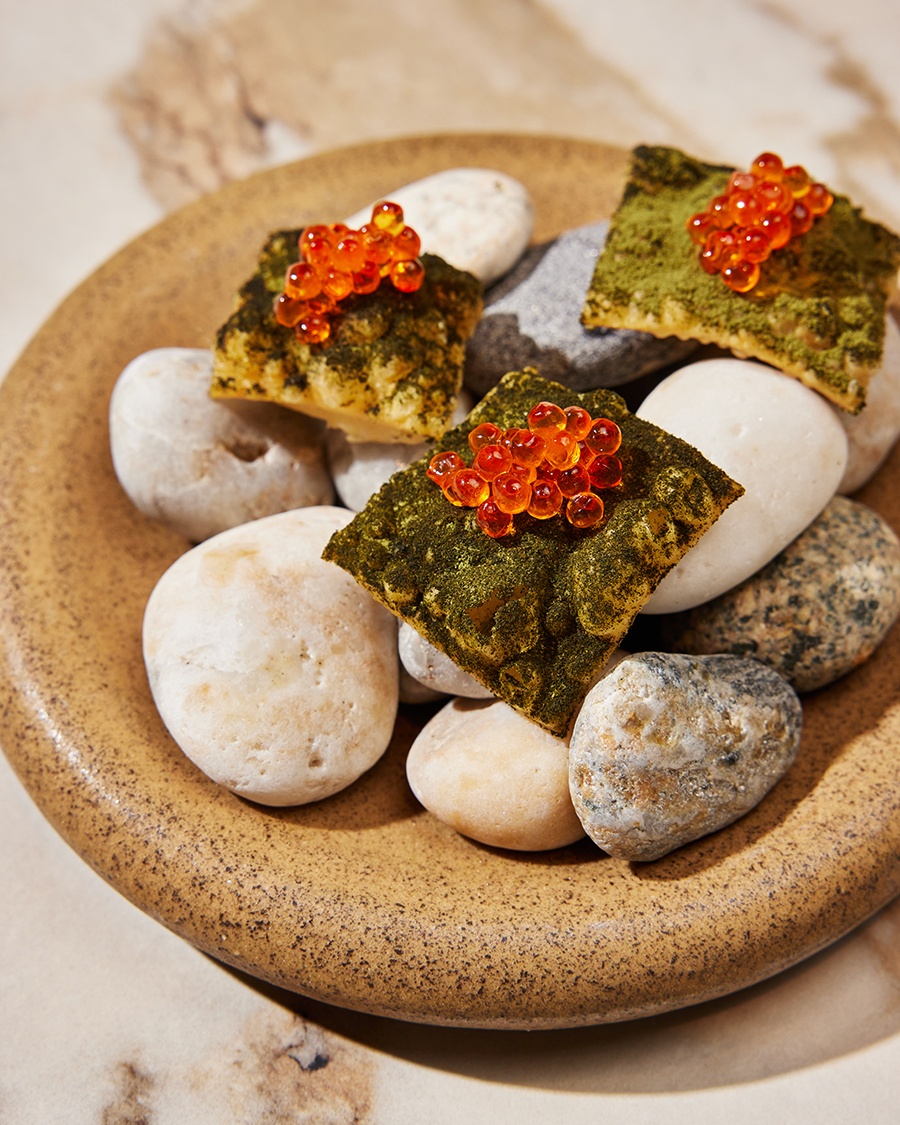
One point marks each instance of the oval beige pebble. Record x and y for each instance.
(201, 466)
(476, 219)
(872, 433)
(770, 433)
(494, 776)
(273, 670)
(433, 669)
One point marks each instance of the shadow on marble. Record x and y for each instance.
(837, 1002)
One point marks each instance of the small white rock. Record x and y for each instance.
(494, 776)
(770, 433)
(433, 669)
(872, 433)
(274, 671)
(474, 218)
(199, 465)
(360, 468)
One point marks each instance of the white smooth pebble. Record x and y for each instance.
(360, 468)
(770, 433)
(274, 671)
(872, 433)
(494, 776)
(433, 669)
(477, 219)
(199, 465)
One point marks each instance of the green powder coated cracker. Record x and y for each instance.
(536, 615)
(817, 313)
(394, 365)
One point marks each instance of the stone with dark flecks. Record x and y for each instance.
(670, 747)
(532, 319)
(818, 609)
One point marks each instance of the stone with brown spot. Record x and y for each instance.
(668, 748)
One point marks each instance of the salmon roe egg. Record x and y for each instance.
(562, 450)
(718, 209)
(407, 245)
(546, 418)
(744, 207)
(773, 196)
(470, 487)
(527, 447)
(302, 282)
(578, 421)
(388, 216)
(492, 520)
(367, 279)
(818, 199)
(288, 310)
(313, 328)
(584, 510)
(492, 460)
(768, 166)
(604, 436)
(510, 494)
(718, 248)
(526, 473)
(777, 229)
(408, 276)
(574, 480)
(741, 275)
(801, 217)
(605, 471)
(796, 179)
(378, 244)
(485, 434)
(546, 500)
(699, 226)
(443, 464)
(753, 245)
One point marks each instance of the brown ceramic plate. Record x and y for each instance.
(365, 900)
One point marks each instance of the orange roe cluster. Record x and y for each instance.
(760, 212)
(337, 261)
(555, 465)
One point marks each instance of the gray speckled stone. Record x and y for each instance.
(532, 319)
(668, 748)
(818, 609)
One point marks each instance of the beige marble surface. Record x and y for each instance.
(113, 113)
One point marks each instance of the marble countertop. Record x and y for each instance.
(113, 114)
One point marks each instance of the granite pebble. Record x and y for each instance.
(670, 747)
(770, 433)
(532, 319)
(360, 468)
(199, 465)
(872, 434)
(494, 776)
(477, 219)
(819, 609)
(272, 669)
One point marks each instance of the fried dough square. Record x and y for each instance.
(536, 615)
(391, 371)
(817, 313)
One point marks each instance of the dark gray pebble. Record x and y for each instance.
(532, 319)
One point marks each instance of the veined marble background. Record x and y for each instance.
(111, 114)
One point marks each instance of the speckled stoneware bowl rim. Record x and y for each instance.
(365, 900)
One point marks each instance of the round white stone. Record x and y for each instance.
(433, 669)
(360, 468)
(274, 671)
(199, 465)
(770, 433)
(872, 433)
(494, 776)
(474, 218)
